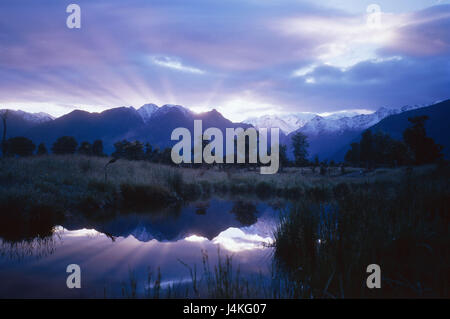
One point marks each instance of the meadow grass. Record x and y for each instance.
(75, 182)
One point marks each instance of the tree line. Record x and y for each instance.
(22, 147)
(136, 150)
(379, 149)
(374, 149)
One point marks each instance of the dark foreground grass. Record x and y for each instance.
(403, 226)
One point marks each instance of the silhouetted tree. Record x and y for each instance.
(315, 163)
(129, 150)
(148, 151)
(399, 154)
(42, 149)
(284, 160)
(378, 149)
(85, 148)
(20, 146)
(316, 160)
(424, 148)
(155, 155)
(152, 154)
(65, 145)
(4, 115)
(366, 148)
(323, 169)
(97, 148)
(300, 145)
(166, 157)
(353, 155)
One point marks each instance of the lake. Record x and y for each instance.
(115, 251)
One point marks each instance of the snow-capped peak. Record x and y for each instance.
(298, 120)
(328, 124)
(340, 114)
(146, 111)
(165, 108)
(287, 123)
(37, 118)
(269, 121)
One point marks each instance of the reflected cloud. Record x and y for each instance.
(195, 238)
(80, 232)
(236, 240)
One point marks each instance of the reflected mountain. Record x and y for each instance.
(204, 219)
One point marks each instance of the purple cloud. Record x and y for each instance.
(241, 57)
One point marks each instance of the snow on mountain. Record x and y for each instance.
(36, 118)
(165, 108)
(269, 121)
(314, 124)
(147, 110)
(340, 114)
(319, 125)
(298, 120)
(287, 123)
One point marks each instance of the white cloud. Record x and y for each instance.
(174, 63)
(346, 41)
(304, 71)
(310, 80)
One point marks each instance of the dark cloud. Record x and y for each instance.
(374, 84)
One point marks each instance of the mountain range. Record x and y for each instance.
(149, 123)
(328, 136)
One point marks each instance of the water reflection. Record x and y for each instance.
(106, 251)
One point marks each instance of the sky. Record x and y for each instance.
(244, 58)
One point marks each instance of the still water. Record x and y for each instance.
(113, 250)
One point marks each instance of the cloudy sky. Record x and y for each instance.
(243, 57)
